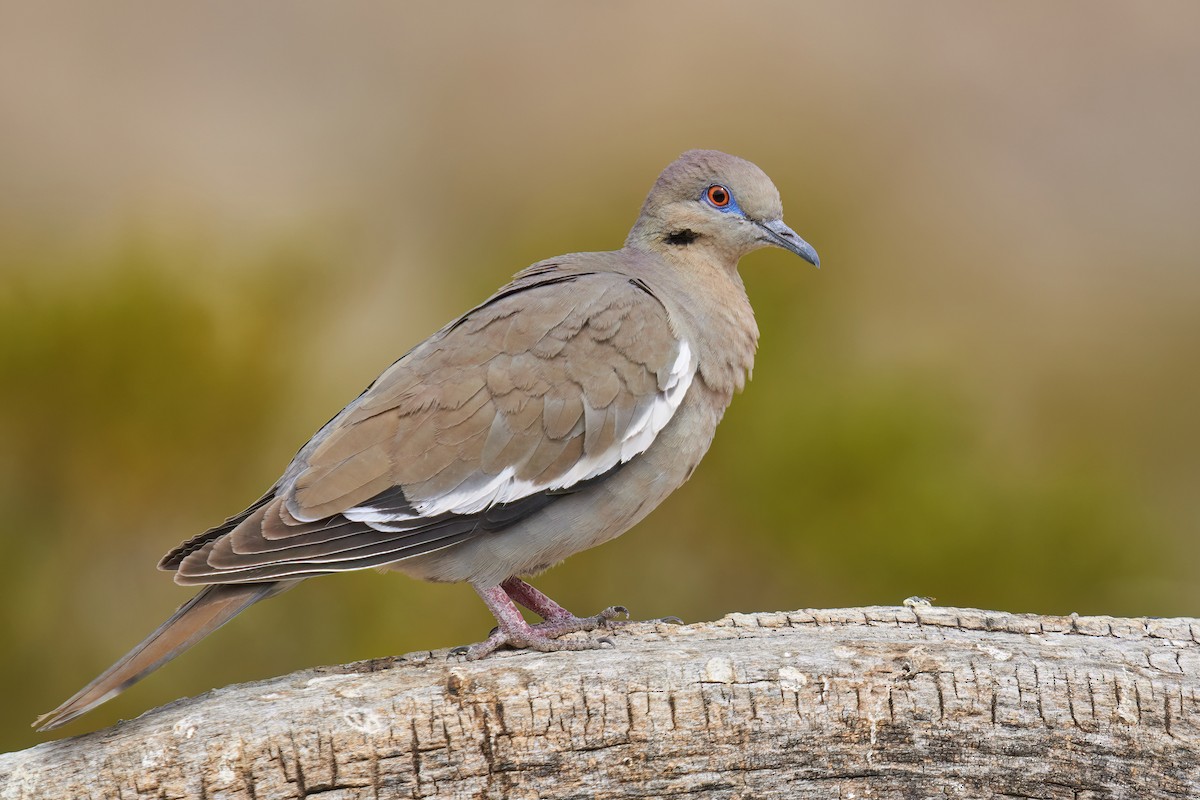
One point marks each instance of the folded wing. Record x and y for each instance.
(552, 384)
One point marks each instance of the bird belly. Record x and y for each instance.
(579, 521)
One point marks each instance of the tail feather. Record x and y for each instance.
(210, 609)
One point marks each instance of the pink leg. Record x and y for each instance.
(524, 594)
(557, 619)
(514, 631)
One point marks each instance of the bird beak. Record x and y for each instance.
(781, 235)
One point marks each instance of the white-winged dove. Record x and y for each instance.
(547, 420)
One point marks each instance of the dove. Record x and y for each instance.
(549, 419)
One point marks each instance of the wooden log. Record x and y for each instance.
(882, 702)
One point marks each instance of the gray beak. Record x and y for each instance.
(781, 235)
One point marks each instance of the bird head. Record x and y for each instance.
(716, 203)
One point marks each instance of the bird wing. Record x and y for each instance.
(553, 383)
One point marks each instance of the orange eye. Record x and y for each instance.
(718, 195)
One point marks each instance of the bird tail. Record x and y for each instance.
(210, 609)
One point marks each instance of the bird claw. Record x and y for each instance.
(544, 636)
(530, 640)
(609, 616)
(554, 628)
(613, 615)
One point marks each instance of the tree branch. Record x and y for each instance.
(868, 702)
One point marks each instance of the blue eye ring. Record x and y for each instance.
(719, 197)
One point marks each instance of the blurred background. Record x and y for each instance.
(219, 222)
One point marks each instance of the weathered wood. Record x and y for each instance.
(867, 703)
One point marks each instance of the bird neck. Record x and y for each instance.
(687, 248)
(716, 318)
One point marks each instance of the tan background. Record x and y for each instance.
(219, 221)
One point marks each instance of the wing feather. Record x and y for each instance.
(552, 384)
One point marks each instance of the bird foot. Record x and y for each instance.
(608, 619)
(557, 626)
(544, 636)
(513, 631)
(530, 640)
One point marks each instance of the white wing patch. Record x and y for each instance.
(482, 491)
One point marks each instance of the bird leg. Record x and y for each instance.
(557, 619)
(514, 631)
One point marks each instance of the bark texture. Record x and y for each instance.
(884, 702)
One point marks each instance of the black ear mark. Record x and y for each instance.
(683, 237)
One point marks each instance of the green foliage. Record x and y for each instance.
(134, 407)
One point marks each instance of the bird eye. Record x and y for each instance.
(718, 196)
